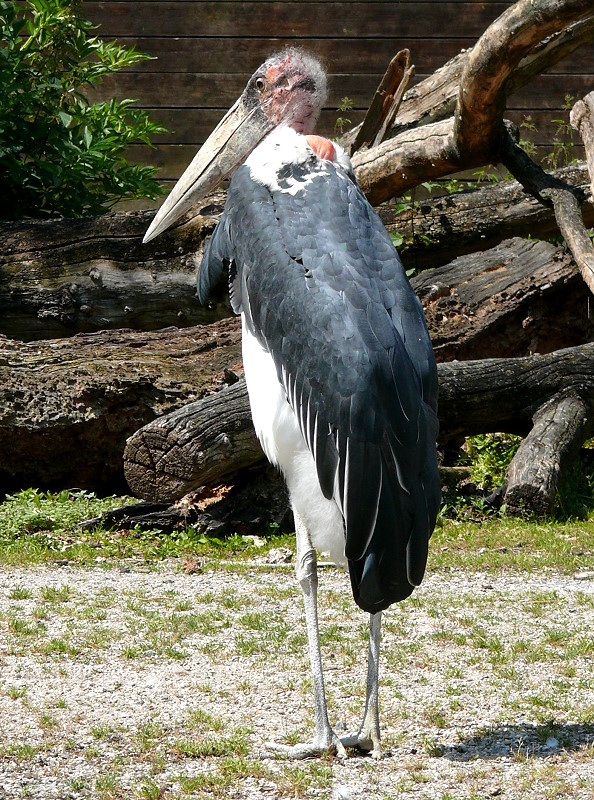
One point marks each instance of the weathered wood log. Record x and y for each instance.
(68, 405)
(436, 230)
(561, 426)
(60, 277)
(491, 395)
(520, 297)
(212, 437)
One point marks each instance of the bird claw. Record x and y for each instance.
(309, 750)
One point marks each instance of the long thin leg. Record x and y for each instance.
(307, 574)
(368, 737)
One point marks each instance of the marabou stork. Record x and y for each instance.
(338, 362)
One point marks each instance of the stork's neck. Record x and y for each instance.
(285, 146)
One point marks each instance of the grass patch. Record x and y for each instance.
(38, 526)
(237, 743)
(501, 543)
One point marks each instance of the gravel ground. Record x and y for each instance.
(130, 682)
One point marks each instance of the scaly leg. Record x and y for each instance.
(324, 738)
(368, 737)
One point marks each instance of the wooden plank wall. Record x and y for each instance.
(205, 51)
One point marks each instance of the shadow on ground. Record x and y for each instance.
(522, 741)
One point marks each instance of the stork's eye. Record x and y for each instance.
(260, 84)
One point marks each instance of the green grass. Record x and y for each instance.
(36, 527)
(491, 649)
(501, 543)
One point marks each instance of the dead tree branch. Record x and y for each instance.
(582, 119)
(386, 102)
(475, 133)
(565, 199)
(434, 98)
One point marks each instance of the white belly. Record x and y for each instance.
(282, 441)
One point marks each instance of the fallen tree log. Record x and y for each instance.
(582, 119)
(561, 426)
(68, 405)
(179, 453)
(60, 277)
(438, 229)
(520, 297)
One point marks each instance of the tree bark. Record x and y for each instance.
(60, 277)
(67, 406)
(475, 397)
(437, 230)
(561, 426)
(253, 502)
(521, 297)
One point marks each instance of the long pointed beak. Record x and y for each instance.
(234, 138)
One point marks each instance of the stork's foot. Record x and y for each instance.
(331, 745)
(366, 740)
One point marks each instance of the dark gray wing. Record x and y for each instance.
(323, 289)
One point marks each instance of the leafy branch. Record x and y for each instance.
(59, 153)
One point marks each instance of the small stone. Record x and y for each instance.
(584, 576)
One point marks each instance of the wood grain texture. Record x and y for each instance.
(67, 406)
(561, 426)
(295, 20)
(205, 51)
(60, 277)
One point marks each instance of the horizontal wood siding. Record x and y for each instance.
(205, 51)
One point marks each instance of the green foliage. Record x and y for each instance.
(59, 153)
(343, 122)
(488, 456)
(36, 526)
(575, 499)
(562, 153)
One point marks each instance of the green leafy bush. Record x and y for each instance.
(60, 153)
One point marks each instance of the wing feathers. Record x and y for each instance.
(323, 290)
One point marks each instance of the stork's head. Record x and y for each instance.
(288, 89)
